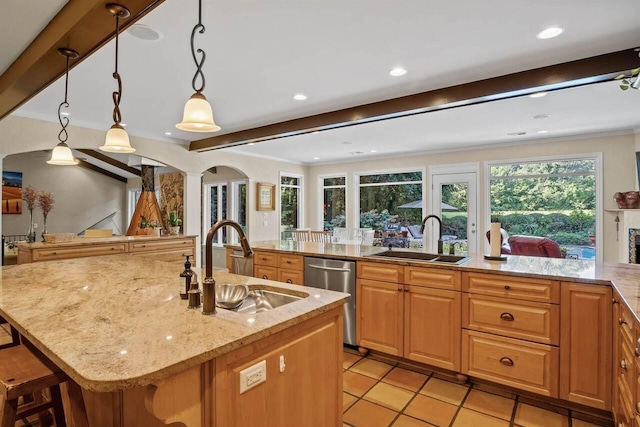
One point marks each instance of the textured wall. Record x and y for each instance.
(171, 195)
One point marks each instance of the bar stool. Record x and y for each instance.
(22, 373)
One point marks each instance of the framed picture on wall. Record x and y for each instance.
(266, 197)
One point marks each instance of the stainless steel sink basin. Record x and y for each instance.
(423, 257)
(262, 300)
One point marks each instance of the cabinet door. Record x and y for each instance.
(379, 314)
(262, 272)
(432, 326)
(585, 340)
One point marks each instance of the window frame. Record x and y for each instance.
(301, 204)
(321, 188)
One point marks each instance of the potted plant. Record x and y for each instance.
(143, 227)
(174, 223)
(155, 225)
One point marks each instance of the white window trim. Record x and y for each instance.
(321, 188)
(233, 187)
(597, 157)
(206, 211)
(301, 207)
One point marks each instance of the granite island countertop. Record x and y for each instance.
(90, 241)
(625, 278)
(117, 321)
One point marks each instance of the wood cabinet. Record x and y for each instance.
(281, 267)
(410, 312)
(585, 343)
(168, 248)
(625, 365)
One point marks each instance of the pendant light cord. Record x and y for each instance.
(117, 95)
(64, 121)
(198, 28)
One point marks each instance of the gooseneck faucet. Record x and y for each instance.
(209, 283)
(424, 221)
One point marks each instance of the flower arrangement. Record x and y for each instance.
(29, 195)
(45, 203)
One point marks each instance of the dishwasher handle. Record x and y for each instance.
(321, 267)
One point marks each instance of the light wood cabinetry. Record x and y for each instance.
(169, 248)
(585, 343)
(625, 366)
(281, 267)
(411, 312)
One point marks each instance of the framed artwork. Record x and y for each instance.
(11, 192)
(266, 197)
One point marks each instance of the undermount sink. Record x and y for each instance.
(261, 300)
(423, 257)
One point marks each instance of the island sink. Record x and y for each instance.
(259, 301)
(423, 257)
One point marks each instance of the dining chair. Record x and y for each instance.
(321, 236)
(359, 232)
(367, 237)
(301, 235)
(340, 234)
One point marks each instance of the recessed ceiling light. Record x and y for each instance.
(144, 32)
(299, 96)
(537, 95)
(543, 131)
(550, 32)
(373, 151)
(65, 114)
(316, 158)
(542, 116)
(167, 133)
(345, 143)
(517, 133)
(398, 71)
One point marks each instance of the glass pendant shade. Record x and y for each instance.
(117, 141)
(62, 156)
(198, 116)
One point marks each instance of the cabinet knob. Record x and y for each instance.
(637, 351)
(621, 321)
(406, 289)
(288, 262)
(264, 276)
(399, 289)
(507, 287)
(289, 281)
(264, 258)
(623, 365)
(507, 316)
(506, 361)
(638, 408)
(615, 301)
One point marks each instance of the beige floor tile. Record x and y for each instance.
(431, 410)
(579, 423)
(389, 396)
(444, 390)
(406, 379)
(367, 414)
(371, 368)
(356, 384)
(490, 404)
(469, 418)
(347, 400)
(530, 416)
(404, 421)
(349, 359)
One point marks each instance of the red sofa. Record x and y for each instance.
(534, 246)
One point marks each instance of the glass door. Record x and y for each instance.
(454, 199)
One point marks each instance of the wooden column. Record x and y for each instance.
(147, 205)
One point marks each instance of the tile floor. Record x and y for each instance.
(381, 393)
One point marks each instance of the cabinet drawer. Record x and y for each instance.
(291, 262)
(432, 277)
(625, 408)
(295, 277)
(540, 290)
(380, 271)
(78, 251)
(516, 363)
(525, 320)
(262, 272)
(626, 326)
(265, 258)
(160, 244)
(625, 368)
(169, 255)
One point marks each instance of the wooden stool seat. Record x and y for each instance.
(22, 373)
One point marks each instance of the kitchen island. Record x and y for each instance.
(116, 325)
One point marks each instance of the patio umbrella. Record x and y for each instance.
(418, 204)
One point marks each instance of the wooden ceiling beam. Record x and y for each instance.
(111, 161)
(82, 25)
(86, 165)
(560, 76)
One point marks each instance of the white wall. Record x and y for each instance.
(82, 197)
(618, 170)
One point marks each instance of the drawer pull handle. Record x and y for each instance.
(264, 258)
(507, 287)
(288, 262)
(507, 316)
(289, 281)
(638, 408)
(637, 351)
(399, 289)
(621, 321)
(623, 365)
(264, 276)
(406, 290)
(506, 361)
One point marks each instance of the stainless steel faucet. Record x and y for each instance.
(424, 221)
(209, 283)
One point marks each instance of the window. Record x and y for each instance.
(222, 200)
(390, 203)
(551, 198)
(239, 207)
(334, 202)
(290, 204)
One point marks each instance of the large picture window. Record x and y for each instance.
(553, 198)
(334, 202)
(290, 204)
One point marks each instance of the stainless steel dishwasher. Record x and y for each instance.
(240, 264)
(335, 275)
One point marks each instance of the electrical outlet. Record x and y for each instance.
(35, 225)
(253, 375)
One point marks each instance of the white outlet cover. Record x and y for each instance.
(253, 375)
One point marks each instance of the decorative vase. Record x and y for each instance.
(174, 231)
(31, 235)
(44, 229)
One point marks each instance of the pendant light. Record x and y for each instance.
(117, 140)
(61, 154)
(198, 116)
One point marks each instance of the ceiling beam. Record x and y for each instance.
(86, 165)
(82, 25)
(560, 76)
(109, 160)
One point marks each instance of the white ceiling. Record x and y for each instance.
(339, 53)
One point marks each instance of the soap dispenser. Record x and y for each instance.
(185, 279)
(194, 293)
